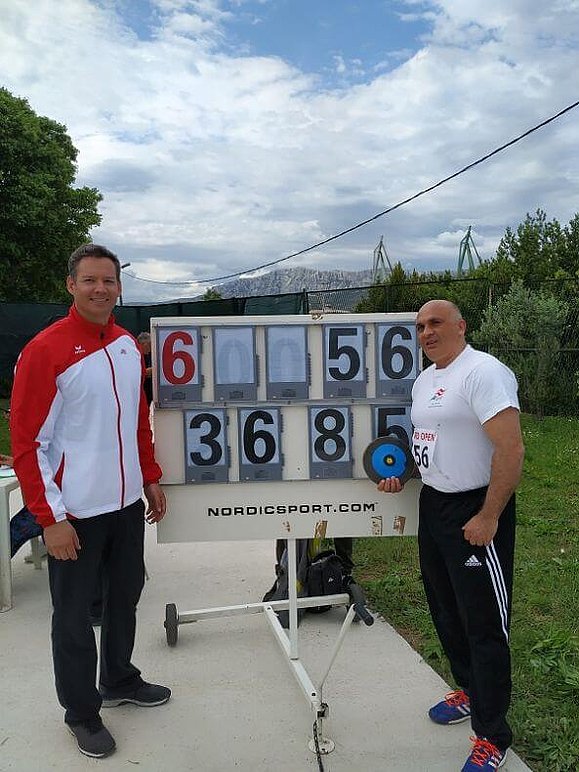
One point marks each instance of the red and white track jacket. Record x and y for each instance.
(79, 422)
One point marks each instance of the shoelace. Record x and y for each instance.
(483, 751)
(457, 697)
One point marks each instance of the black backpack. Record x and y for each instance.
(320, 575)
(325, 577)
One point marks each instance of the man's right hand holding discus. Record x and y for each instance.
(390, 485)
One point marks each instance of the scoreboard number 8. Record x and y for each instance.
(330, 446)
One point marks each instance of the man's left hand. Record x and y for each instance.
(480, 530)
(156, 501)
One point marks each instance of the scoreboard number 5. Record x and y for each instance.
(344, 362)
(393, 420)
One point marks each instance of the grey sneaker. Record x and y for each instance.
(145, 695)
(93, 738)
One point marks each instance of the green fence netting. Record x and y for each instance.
(19, 322)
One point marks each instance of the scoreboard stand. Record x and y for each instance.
(287, 640)
(260, 427)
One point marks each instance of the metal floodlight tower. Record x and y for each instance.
(465, 250)
(379, 271)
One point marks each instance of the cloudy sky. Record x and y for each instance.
(224, 134)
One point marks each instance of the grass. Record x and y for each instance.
(544, 635)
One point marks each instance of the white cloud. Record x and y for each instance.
(212, 162)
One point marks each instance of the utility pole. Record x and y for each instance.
(124, 265)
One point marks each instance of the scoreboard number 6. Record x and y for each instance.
(178, 365)
(397, 360)
(171, 355)
(260, 455)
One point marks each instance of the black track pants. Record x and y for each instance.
(114, 542)
(469, 592)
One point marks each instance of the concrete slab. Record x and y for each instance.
(235, 702)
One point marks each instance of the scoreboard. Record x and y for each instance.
(261, 422)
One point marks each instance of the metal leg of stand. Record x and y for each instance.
(343, 630)
(293, 597)
(296, 666)
(324, 744)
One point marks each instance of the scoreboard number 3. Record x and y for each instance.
(206, 451)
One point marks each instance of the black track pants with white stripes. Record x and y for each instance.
(469, 592)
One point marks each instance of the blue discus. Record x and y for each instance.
(388, 457)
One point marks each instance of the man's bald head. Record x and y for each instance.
(446, 306)
(441, 328)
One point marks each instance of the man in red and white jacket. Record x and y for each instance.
(83, 454)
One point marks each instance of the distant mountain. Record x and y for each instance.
(294, 280)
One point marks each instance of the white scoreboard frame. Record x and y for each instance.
(267, 481)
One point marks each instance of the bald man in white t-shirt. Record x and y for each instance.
(468, 447)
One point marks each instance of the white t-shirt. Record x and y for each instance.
(449, 406)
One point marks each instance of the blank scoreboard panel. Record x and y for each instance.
(261, 423)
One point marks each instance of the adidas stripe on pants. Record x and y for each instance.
(469, 592)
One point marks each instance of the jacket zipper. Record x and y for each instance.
(119, 435)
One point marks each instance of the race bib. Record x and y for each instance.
(423, 445)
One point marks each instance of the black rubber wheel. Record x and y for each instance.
(171, 623)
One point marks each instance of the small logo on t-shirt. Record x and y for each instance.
(79, 349)
(473, 562)
(438, 395)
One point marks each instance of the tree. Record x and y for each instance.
(43, 218)
(212, 294)
(399, 292)
(535, 251)
(524, 330)
(569, 263)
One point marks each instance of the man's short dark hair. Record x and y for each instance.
(92, 250)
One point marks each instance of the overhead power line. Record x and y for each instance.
(376, 216)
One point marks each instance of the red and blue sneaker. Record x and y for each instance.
(484, 757)
(453, 709)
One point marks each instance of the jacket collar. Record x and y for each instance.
(91, 328)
